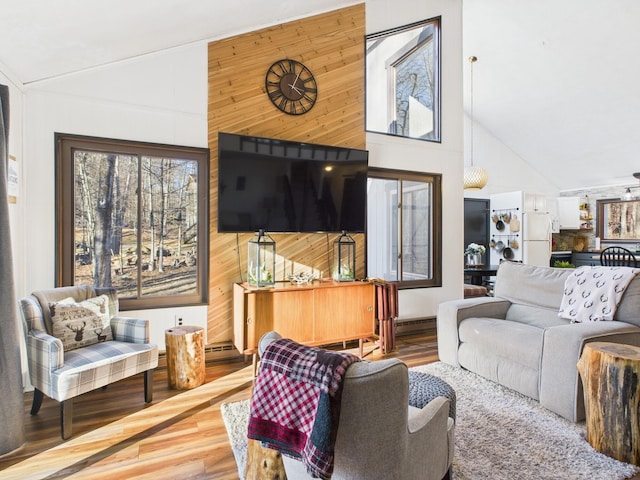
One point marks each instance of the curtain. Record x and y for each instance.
(12, 409)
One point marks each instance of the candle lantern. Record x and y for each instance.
(344, 254)
(261, 263)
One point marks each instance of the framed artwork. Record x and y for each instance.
(618, 220)
(403, 81)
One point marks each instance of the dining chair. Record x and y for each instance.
(618, 257)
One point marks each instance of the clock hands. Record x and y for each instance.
(298, 91)
(293, 85)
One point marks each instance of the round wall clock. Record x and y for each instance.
(291, 87)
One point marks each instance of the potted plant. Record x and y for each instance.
(563, 264)
(474, 252)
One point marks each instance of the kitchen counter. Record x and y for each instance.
(579, 259)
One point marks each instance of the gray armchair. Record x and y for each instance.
(380, 436)
(63, 375)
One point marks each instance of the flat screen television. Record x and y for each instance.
(285, 186)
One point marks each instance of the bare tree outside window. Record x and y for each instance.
(130, 215)
(403, 81)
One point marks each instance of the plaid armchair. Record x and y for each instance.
(63, 375)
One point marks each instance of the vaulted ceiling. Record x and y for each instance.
(40, 39)
(556, 81)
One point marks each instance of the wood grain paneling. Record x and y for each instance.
(331, 45)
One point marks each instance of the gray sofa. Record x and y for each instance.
(517, 339)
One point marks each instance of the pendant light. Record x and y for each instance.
(628, 196)
(475, 178)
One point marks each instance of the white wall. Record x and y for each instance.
(506, 169)
(162, 97)
(156, 98)
(445, 157)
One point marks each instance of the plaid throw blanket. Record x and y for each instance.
(295, 407)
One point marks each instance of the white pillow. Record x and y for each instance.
(81, 324)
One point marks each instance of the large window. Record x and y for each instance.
(403, 81)
(133, 216)
(404, 227)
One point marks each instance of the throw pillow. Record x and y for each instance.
(81, 324)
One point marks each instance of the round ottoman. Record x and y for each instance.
(424, 387)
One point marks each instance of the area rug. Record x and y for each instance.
(500, 435)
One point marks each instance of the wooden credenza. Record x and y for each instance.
(317, 314)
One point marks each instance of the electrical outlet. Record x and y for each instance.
(180, 321)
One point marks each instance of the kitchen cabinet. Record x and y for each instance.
(315, 314)
(588, 259)
(569, 213)
(534, 202)
(574, 214)
(564, 256)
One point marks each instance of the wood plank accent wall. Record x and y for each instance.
(331, 45)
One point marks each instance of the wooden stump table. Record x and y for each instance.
(610, 374)
(185, 357)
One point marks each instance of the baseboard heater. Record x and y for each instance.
(412, 325)
(216, 351)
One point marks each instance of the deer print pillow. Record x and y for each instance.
(81, 324)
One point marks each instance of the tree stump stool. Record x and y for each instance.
(185, 357)
(610, 374)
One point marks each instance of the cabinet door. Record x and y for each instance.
(258, 317)
(239, 318)
(345, 312)
(569, 213)
(589, 259)
(292, 313)
(534, 202)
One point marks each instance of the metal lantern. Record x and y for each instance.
(261, 264)
(344, 254)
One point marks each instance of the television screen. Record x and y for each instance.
(285, 186)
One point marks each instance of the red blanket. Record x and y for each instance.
(295, 407)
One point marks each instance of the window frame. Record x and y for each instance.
(390, 78)
(65, 145)
(435, 180)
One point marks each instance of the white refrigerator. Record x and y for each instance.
(529, 238)
(536, 238)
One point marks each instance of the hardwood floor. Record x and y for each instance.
(179, 435)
